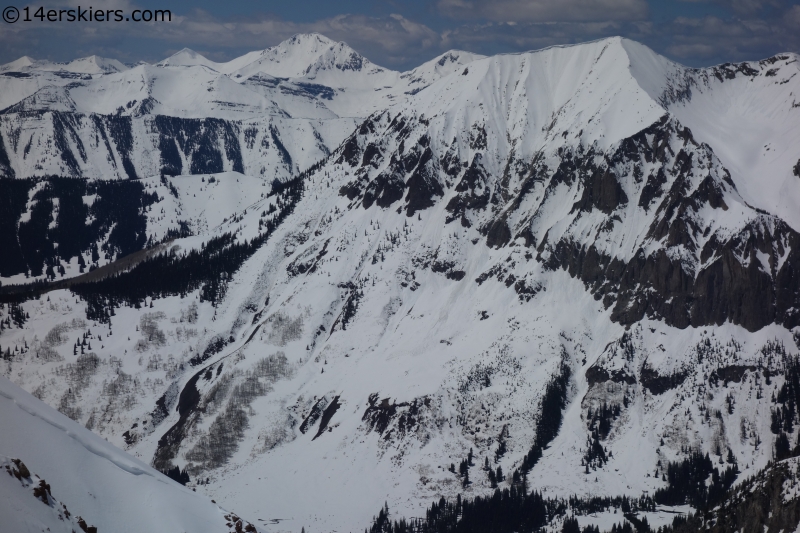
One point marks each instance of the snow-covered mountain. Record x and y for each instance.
(270, 113)
(188, 85)
(85, 65)
(578, 266)
(24, 77)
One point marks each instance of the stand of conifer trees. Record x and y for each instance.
(511, 510)
(178, 475)
(551, 414)
(117, 211)
(173, 274)
(688, 482)
(785, 411)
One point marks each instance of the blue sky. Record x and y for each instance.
(401, 34)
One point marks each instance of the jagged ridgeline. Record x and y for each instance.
(49, 222)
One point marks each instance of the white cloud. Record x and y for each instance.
(545, 10)
(792, 18)
(744, 7)
(496, 37)
(732, 39)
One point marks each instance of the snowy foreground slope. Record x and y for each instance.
(83, 478)
(389, 326)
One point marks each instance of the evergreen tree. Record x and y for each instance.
(570, 525)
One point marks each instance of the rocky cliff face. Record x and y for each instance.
(72, 144)
(655, 226)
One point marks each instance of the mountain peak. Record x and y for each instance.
(307, 47)
(310, 37)
(438, 67)
(186, 58)
(95, 64)
(22, 62)
(303, 55)
(456, 55)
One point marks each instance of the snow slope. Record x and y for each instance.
(749, 113)
(93, 479)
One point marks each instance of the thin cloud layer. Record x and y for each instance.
(745, 8)
(545, 10)
(512, 37)
(742, 39)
